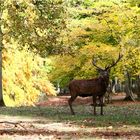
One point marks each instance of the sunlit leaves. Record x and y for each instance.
(80, 65)
(101, 29)
(23, 76)
(37, 23)
(80, 30)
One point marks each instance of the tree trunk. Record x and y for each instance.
(128, 89)
(1, 96)
(138, 87)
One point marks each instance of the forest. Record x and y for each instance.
(45, 44)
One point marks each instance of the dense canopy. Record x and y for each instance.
(55, 41)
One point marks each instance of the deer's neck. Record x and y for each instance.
(105, 80)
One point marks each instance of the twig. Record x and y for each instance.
(15, 124)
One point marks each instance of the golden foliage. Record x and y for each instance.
(23, 76)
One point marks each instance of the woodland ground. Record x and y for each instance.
(51, 120)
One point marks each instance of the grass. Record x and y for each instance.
(113, 115)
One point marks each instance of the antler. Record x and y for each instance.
(94, 64)
(114, 63)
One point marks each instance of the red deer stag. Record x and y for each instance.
(96, 87)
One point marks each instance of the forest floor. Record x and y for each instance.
(51, 120)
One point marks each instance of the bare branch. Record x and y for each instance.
(14, 123)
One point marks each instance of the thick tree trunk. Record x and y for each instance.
(128, 89)
(138, 87)
(1, 96)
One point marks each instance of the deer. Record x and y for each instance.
(96, 87)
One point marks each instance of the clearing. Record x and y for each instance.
(51, 120)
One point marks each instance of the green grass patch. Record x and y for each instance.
(113, 115)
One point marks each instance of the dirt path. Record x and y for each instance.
(41, 129)
(63, 100)
(25, 128)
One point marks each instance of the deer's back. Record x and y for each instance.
(87, 87)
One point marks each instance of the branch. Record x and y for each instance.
(15, 124)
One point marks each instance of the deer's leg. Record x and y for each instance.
(101, 104)
(94, 104)
(70, 104)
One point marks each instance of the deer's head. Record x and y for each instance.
(105, 72)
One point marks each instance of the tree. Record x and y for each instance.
(36, 23)
(29, 28)
(1, 94)
(101, 24)
(24, 77)
(68, 67)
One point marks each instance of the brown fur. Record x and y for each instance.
(96, 87)
(93, 87)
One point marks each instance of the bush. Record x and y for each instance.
(24, 77)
